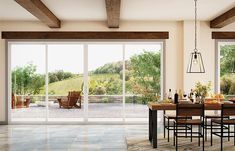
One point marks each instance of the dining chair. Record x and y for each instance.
(168, 118)
(208, 120)
(226, 110)
(189, 110)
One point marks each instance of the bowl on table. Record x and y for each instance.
(185, 101)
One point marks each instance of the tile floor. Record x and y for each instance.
(68, 137)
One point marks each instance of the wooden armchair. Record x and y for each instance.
(18, 103)
(71, 101)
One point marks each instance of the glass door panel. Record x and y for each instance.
(227, 70)
(142, 78)
(114, 92)
(65, 73)
(27, 82)
(105, 66)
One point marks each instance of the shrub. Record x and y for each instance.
(105, 100)
(51, 92)
(227, 84)
(232, 88)
(59, 75)
(127, 75)
(100, 90)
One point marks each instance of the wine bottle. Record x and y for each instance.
(185, 95)
(191, 95)
(176, 97)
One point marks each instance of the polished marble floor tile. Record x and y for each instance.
(68, 137)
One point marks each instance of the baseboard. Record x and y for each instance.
(3, 123)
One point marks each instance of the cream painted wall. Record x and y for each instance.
(177, 47)
(206, 46)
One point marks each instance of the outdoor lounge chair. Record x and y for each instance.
(17, 102)
(71, 101)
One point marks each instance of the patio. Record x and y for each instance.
(95, 110)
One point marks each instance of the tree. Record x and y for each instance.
(38, 81)
(25, 80)
(114, 67)
(146, 71)
(59, 75)
(227, 58)
(53, 78)
(227, 84)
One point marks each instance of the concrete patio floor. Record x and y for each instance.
(95, 110)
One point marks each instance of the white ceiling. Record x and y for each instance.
(147, 10)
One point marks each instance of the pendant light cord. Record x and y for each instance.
(195, 25)
(196, 62)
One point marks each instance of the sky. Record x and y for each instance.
(70, 57)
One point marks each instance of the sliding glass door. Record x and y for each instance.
(27, 80)
(226, 72)
(105, 66)
(65, 75)
(83, 82)
(142, 78)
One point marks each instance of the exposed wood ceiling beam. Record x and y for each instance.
(224, 19)
(113, 12)
(39, 10)
(223, 35)
(84, 35)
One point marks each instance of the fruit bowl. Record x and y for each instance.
(212, 101)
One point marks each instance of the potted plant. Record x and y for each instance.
(202, 90)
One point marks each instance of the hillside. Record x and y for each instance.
(72, 84)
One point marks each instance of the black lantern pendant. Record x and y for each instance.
(196, 62)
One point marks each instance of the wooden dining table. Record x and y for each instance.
(155, 107)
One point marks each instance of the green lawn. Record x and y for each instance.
(75, 84)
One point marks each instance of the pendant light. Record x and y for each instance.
(195, 63)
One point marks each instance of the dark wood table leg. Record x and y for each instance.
(164, 123)
(150, 125)
(154, 128)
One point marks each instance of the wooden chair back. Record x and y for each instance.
(228, 110)
(189, 110)
(74, 94)
(73, 97)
